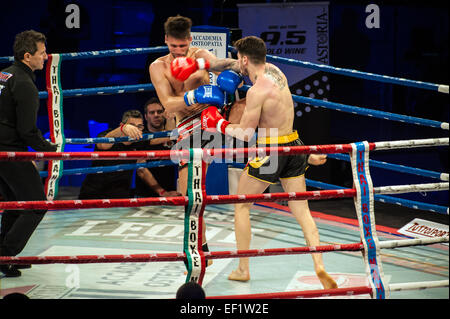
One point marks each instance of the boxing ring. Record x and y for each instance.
(146, 222)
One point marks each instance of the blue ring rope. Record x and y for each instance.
(100, 54)
(301, 99)
(147, 136)
(387, 199)
(133, 88)
(305, 64)
(371, 113)
(352, 73)
(367, 112)
(392, 167)
(112, 168)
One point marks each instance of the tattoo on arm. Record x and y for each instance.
(275, 75)
(220, 65)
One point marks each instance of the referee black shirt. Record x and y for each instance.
(19, 104)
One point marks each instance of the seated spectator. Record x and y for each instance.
(164, 182)
(115, 184)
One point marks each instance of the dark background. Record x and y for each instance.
(412, 42)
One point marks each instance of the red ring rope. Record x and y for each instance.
(281, 150)
(177, 200)
(349, 291)
(157, 257)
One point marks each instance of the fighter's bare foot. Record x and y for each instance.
(239, 275)
(317, 159)
(326, 280)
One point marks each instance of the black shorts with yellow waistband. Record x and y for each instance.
(191, 135)
(272, 167)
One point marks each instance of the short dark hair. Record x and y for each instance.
(190, 290)
(178, 27)
(131, 113)
(26, 41)
(253, 47)
(153, 100)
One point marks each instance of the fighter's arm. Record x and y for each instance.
(164, 90)
(216, 64)
(150, 180)
(120, 131)
(250, 117)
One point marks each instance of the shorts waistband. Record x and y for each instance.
(187, 124)
(278, 139)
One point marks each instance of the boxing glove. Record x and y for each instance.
(205, 94)
(211, 118)
(182, 68)
(229, 81)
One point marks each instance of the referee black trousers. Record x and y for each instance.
(19, 181)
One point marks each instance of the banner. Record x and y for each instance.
(213, 39)
(297, 31)
(420, 228)
(366, 218)
(55, 117)
(193, 220)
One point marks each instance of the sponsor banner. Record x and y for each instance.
(298, 31)
(420, 228)
(213, 39)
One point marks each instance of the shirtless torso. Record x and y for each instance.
(269, 106)
(277, 109)
(171, 91)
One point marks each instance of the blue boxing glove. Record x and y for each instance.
(229, 81)
(205, 94)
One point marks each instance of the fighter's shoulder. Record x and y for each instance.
(257, 91)
(159, 66)
(160, 62)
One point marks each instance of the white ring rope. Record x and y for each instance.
(418, 285)
(412, 242)
(395, 189)
(389, 145)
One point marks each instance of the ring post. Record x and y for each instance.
(366, 218)
(193, 217)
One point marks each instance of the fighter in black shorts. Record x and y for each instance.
(273, 167)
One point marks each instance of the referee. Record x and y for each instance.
(20, 181)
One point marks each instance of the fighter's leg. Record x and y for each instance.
(302, 214)
(242, 225)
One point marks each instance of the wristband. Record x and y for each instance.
(203, 64)
(222, 125)
(162, 192)
(121, 127)
(189, 98)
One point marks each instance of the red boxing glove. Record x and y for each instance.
(182, 68)
(211, 118)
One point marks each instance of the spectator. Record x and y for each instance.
(114, 184)
(164, 182)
